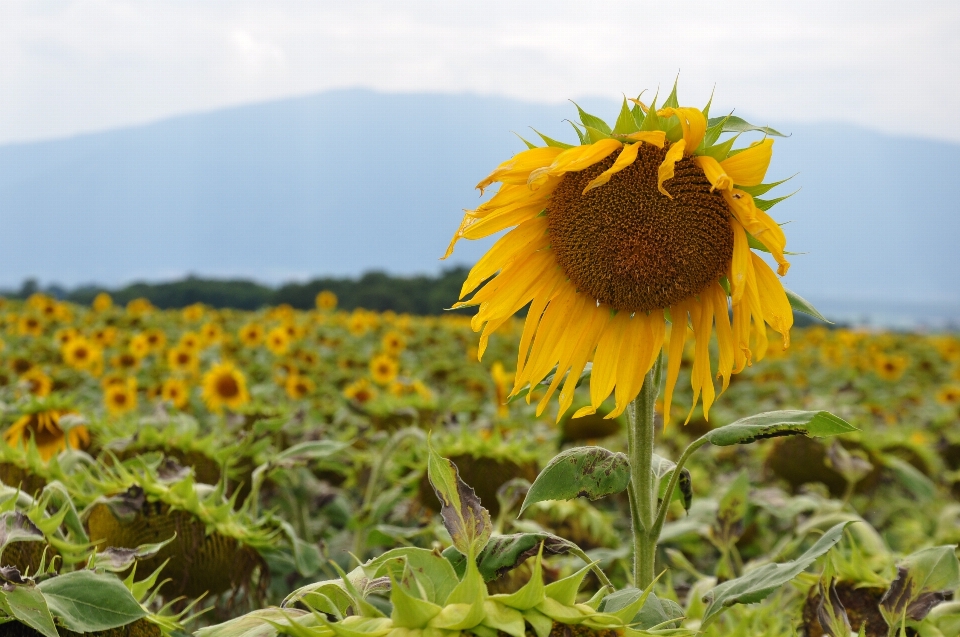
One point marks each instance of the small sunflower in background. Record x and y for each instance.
(156, 339)
(193, 313)
(360, 391)
(191, 341)
(43, 425)
(251, 335)
(393, 343)
(65, 335)
(139, 346)
(125, 361)
(358, 324)
(102, 302)
(383, 369)
(298, 386)
(104, 336)
(36, 382)
(183, 359)
(82, 354)
(326, 300)
(140, 307)
(278, 341)
(30, 325)
(211, 333)
(651, 220)
(224, 386)
(501, 385)
(120, 397)
(890, 367)
(176, 392)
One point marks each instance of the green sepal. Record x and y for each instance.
(756, 191)
(530, 594)
(638, 115)
(626, 123)
(530, 145)
(651, 120)
(767, 204)
(706, 109)
(565, 590)
(463, 609)
(549, 141)
(589, 120)
(356, 627)
(580, 134)
(596, 135)
(409, 611)
(364, 607)
(503, 618)
(672, 101)
(718, 151)
(542, 625)
(562, 613)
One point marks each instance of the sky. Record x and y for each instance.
(75, 66)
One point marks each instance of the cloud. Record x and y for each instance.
(81, 65)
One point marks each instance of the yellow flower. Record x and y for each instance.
(326, 300)
(44, 428)
(82, 354)
(30, 325)
(65, 335)
(500, 382)
(652, 221)
(191, 341)
(890, 367)
(139, 345)
(393, 343)
(211, 333)
(175, 391)
(156, 339)
(139, 307)
(251, 334)
(359, 323)
(193, 313)
(224, 386)
(298, 386)
(102, 302)
(104, 336)
(120, 398)
(949, 395)
(37, 383)
(183, 359)
(383, 369)
(278, 341)
(125, 361)
(360, 391)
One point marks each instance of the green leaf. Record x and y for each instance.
(651, 120)
(800, 304)
(767, 204)
(581, 135)
(118, 559)
(626, 123)
(910, 477)
(258, 623)
(582, 471)
(923, 580)
(17, 527)
(549, 141)
(311, 450)
(27, 604)
(638, 115)
(663, 470)
(86, 602)
(772, 424)
(463, 516)
(439, 576)
(672, 100)
(756, 191)
(506, 552)
(664, 613)
(592, 121)
(732, 511)
(734, 124)
(759, 583)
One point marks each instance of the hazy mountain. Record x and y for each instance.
(348, 181)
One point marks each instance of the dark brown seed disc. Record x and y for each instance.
(630, 246)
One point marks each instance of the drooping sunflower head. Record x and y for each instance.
(41, 422)
(224, 385)
(653, 220)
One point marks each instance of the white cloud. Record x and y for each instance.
(80, 65)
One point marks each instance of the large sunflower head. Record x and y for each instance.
(42, 423)
(653, 220)
(224, 386)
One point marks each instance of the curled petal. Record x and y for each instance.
(665, 171)
(749, 167)
(693, 123)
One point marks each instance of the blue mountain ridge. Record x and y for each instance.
(347, 181)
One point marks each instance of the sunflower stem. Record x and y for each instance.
(642, 488)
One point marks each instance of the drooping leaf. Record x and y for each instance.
(118, 559)
(761, 582)
(506, 552)
(831, 613)
(27, 604)
(734, 124)
(800, 304)
(923, 580)
(17, 527)
(663, 613)
(463, 515)
(258, 623)
(86, 602)
(773, 424)
(910, 477)
(592, 472)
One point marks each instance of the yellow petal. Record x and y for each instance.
(749, 167)
(725, 342)
(627, 156)
(574, 159)
(773, 300)
(591, 337)
(605, 361)
(639, 343)
(678, 336)
(520, 165)
(739, 262)
(527, 237)
(715, 175)
(693, 123)
(665, 170)
(655, 137)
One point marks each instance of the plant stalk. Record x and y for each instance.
(642, 488)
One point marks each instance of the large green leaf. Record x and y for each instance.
(463, 516)
(773, 424)
(26, 603)
(800, 304)
(582, 471)
(86, 602)
(505, 552)
(759, 583)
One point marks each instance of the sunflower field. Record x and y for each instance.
(331, 473)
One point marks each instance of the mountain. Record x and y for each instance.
(343, 182)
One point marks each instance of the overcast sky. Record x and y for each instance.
(69, 66)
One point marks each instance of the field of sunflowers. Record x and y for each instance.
(178, 469)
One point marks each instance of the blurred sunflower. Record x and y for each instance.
(191, 341)
(278, 341)
(393, 343)
(649, 221)
(139, 346)
(65, 335)
(193, 313)
(140, 307)
(156, 339)
(37, 383)
(383, 369)
(360, 391)
(224, 386)
(211, 333)
(104, 336)
(29, 325)
(82, 354)
(125, 361)
(358, 324)
(501, 380)
(251, 335)
(20, 365)
(299, 386)
(890, 367)
(120, 398)
(183, 359)
(102, 302)
(326, 300)
(44, 427)
(949, 395)
(176, 392)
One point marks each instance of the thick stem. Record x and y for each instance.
(642, 490)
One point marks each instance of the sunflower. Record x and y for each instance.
(326, 300)
(298, 386)
(104, 336)
(949, 395)
(211, 333)
(193, 313)
(65, 335)
(156, 339)
(80, 353)
(102, 302)
(140, 307)
(191, 341)
(20, 365)
(44, 427)
(500, 383)
(183, 359)
(120, 398)
(360, 391)
(650, 221)
(125, 361)
(251, 335)
(30, 325)
(37, 383)
(890, 367)
(175, 391)
(393, 343)
(224, 386)
(383, 369)
(278, 341)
